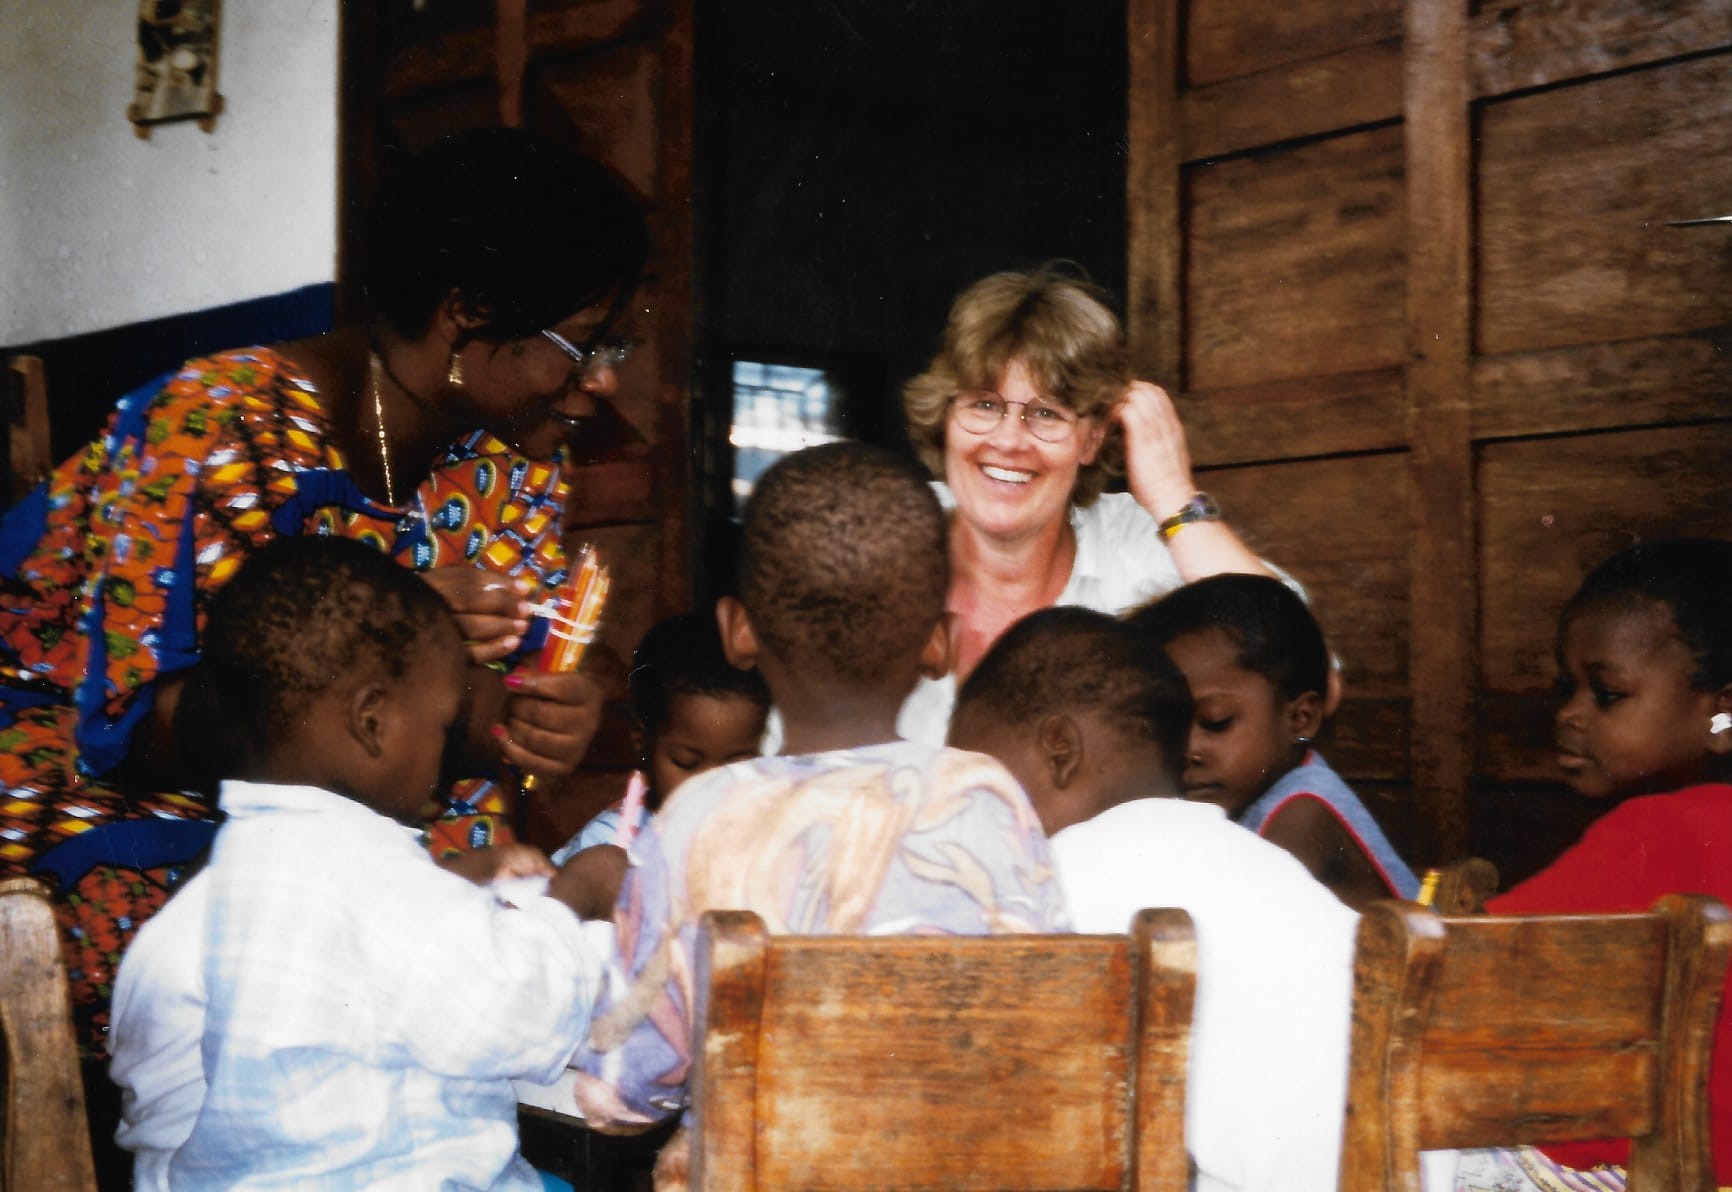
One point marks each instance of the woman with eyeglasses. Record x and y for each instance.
(1024, 414)
(501, 270)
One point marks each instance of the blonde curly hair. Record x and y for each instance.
(1060, 326)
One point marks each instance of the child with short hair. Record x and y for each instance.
(1091, 718)
(843, 573)
(323, 1002)
(1258, 669)
(1644, 653)
(695, 711)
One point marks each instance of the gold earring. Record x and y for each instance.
(454, 375)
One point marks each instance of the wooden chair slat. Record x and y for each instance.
(1477, 1031)
(44, 1136)
(917, 1062)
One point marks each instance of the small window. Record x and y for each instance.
(778, 408)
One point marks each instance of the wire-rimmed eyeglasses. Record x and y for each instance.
(979, 411)
(591, 358)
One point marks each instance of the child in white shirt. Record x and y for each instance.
(323, 1002)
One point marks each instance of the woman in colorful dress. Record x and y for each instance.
(501, 269)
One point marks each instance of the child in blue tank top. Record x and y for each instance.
(1258, 669)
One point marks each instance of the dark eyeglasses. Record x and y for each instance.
(591, 358)
(979, 411)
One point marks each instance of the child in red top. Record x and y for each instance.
(1645, 671)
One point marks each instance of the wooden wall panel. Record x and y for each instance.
(1673, 378)
(1551, 509)
(1226, 39)
(1433, 231)
(1361, 85)
(1572, 242)
(1294, 262)
(1355, 412)
(1518, 44)
(1355, 573)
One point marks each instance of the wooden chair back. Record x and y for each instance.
(44, 1136)
(1004, 1062)
(31, 454)
(1494, 1030)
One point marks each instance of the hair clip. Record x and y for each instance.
(1719, 722)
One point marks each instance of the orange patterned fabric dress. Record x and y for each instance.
(104, 575)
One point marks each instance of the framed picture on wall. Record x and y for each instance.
(177, 64)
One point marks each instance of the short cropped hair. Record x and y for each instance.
(1272, 631)
(1060, 326)
(1075, 661)
(683, 656)
(1691, 577)
(299, 615)
(844, 560)
(527, 233)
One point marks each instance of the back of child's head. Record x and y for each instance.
(1691, 577)
(302, 616)
(844, 562)
(1080, 663)
(1272, 631)
(683, 656)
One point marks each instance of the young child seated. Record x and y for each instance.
(1645, 672)
(322, 1003)
(1258, 669)
(1091, 718)
(695, 711)
(843, 573)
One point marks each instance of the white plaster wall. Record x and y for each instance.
(99, 228)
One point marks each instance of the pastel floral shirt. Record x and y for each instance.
(894, 839)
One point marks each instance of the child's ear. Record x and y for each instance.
(739, 639)
(1060, 741)
(1305, 716)
(366, 717)
(935, 655)
(1720, 743)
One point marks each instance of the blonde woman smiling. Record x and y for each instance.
(1024, 415)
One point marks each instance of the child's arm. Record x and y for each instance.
(499, 862)
(1307, 828)
(589, 883)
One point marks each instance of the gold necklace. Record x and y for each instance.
(374, 367)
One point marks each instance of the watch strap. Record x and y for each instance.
(1200, 508)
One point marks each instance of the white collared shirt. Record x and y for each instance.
(324, 1004)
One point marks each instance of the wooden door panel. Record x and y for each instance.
(1226, 39)
(608, 100)
(1294, 262)
(1575, 187)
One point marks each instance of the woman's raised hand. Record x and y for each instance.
(1157, 461)
(492, 610)
(549, 720)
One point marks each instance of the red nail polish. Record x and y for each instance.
(499, 732)
(514, 681)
